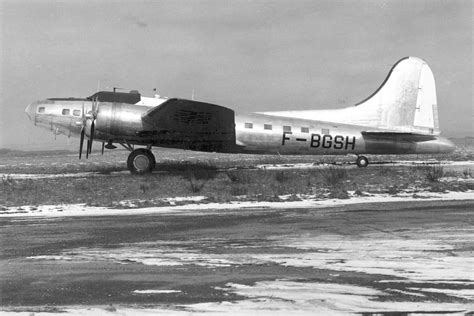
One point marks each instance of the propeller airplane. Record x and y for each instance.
(400, 117)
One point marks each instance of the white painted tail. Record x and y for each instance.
(405, 102)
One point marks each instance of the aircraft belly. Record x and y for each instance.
(403, 144)
(389, 146)
(259, 142)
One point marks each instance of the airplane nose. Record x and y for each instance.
(31, 110)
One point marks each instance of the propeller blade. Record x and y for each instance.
(91, 139)
(87, 149)
(95, 107)
(103, 146)
(92, 131)
(81, 143)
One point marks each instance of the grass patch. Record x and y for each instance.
(220, 177)
(239, 176)
(467, 173)
(434, 173)
(333, 176)
(282, 176)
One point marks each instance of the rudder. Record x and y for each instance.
(406, 100)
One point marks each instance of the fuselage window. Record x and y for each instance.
(66, 112)
(41, 109)
(267, 126)
(304, 130)
(325, 131)
(76, 112)
(287, 128)
(248, 125)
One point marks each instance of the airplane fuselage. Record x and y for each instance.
(254, 132)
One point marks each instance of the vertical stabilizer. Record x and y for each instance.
(406, 100)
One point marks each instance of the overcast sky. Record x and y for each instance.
(247, 55)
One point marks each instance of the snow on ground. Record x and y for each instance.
(36, 176)
(415, 259)
(425, 264)
(421, 264)
(462, 293)
(445, 164)
(195, 208)
(401, 256)
(284, 297)
(155, 291)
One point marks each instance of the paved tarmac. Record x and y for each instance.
(367, 258)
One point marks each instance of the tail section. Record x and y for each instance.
(405, 102)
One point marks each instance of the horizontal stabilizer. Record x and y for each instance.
(415, 137)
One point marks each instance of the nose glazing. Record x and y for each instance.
(31, 110)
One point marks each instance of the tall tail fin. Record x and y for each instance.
(405, 101)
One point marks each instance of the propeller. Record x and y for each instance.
(88, 127)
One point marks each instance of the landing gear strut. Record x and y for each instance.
(141, 161)
(362, 161)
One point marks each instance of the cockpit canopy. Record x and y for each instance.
(131, 97)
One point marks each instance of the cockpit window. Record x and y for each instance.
(76, 112)
(119, 97)
(66, 112)
(41, 109)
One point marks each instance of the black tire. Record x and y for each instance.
(141, 161)
(362, 161)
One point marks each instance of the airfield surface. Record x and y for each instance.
(249, 235)
(363, 258)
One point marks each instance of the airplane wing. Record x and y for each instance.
(191, 125)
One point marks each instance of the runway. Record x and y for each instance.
(361, 258)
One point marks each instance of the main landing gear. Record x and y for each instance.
(141, 161)
(362, 161)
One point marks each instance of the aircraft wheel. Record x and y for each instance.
(362, 161)
(141, 161)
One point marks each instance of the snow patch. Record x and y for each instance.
(208, 208)
(156, 291)
(281, 297)
(462, 293)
